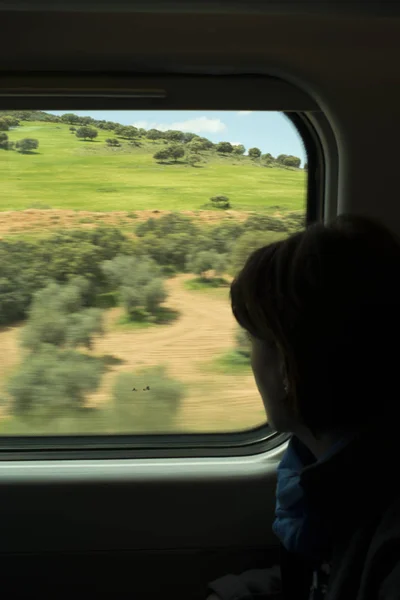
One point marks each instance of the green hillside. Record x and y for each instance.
(68, 173)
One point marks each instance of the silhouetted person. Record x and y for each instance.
(322, 309)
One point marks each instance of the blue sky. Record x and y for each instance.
(270, 131)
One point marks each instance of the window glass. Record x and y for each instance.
(120, 232)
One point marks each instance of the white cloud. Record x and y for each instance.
(143, 125)
(236, 143)
(199, 125)
(245, 112)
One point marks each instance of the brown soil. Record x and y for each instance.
(47, 220)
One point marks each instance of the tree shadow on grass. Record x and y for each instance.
(28, 152)
(203, 283)
(161, 316)
(109, 360)
(171, 162)
(166, 315)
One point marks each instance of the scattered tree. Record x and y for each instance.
(177, 151)
(292, 161)
(239, 149)
(206, 144)
(11, 120)
(52, 383)
(195, 146)
(162, 155)
(86, 132)
(171, 153)
(71, 118)
(54, 378)
(168, 224)
(126, 131)
(223, 236)
(72, 129)
(153, 134)
(194, 159)
(267, 159)
(139, 282)
(113, 142)
(202, 263)
(58, 317)
(221, 202)
(188, 137)
(170, 252)
(4, 125)
(224, 147)
(5, 144)
(26, 145)
(254, 152)
(22, 272)
(174, 136)
(87, 120)
(288, 160)
(265, 223)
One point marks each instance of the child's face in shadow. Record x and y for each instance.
(268, 367)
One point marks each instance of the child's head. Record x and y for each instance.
(323, 312)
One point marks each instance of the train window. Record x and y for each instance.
(120, 232)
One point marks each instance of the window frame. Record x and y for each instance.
(84, 91)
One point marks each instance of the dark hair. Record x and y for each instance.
(330, 296)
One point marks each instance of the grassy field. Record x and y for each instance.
(68, 173)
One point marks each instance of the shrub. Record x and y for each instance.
(239, 149)
(173, 222)
(221, 202)
(86, 132)
(58, 317)
(254, 153)
(162, 155)
(265, 223)
(292, 161)
(53, 382)
(139, 283)
(207, 260)
(223, 236)
(113, 142)
(194, 159)
(5, 144)
(224, 147)
(176, 151)
(152, 410)
(26, 145)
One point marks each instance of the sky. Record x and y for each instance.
(270, 131)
